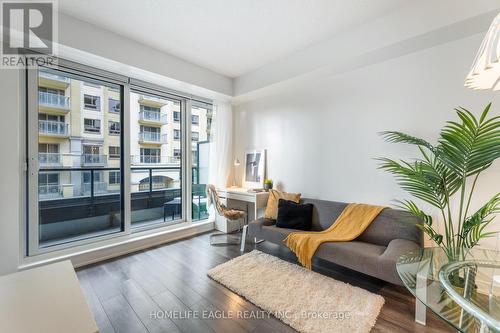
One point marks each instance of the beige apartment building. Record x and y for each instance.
(79, 138)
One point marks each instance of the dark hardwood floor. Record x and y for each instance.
(125, 294)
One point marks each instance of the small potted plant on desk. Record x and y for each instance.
(268, 184)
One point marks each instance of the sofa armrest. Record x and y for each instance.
(387, 260)
(398, 247)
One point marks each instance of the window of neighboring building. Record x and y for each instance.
(49, 178)
(114, 177)
(87, 177)
(50, 117)
(150, 155)
(92, 125)
(177, 154)
(177, 116)
(114, 152)
(92, 102)
(149, 108)
(195, 136)
(51, 91)
(177, 134)
(195, 120)
(114, 127)
(114, 105)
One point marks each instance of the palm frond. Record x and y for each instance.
(400, 137)
(419, 179)
(473, 228)
(472, 145)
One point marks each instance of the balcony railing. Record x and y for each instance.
(54, 100)
(94, 159)
(153, 159)
(152, 137)
(99, 188)
(153, 116)
(49, 158)
(50, 191)
(53, 127)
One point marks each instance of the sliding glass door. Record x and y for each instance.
(75, 188)
(155, 166)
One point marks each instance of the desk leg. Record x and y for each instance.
(243, 238)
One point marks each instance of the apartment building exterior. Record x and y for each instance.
(79, 138)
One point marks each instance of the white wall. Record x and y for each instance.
(321, 135)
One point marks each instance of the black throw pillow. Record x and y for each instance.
(294, 215)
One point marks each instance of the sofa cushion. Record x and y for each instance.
(392, 224)
(294, 215)
(271, 211)
(359, 256)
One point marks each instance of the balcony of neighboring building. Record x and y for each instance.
(153, 160)
(50, 159)
(152, 138)
(94, 160)
(53, 103)
(50, 191)
(46, 79)
(53, 128)
(152, 101)
(152, 118)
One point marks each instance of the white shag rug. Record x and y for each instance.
(307, 301)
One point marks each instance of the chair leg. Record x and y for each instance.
(243, 238)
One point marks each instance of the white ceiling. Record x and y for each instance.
(230, 37)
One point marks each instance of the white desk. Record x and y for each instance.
(254, 203)
(44, 299)
(241, 198)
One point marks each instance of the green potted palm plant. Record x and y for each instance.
(450, 168)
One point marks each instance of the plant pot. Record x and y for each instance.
(268, 187)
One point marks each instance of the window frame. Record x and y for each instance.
(96, 99)
(89, 131)
(115, 131)
(30, 248)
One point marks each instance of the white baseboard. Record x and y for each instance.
(88, 257)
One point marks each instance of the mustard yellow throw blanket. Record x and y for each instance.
(351, 223)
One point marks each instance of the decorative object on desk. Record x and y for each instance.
(236, 165)
(465, 149)
(230, 214)
(294, 215)
(485, 71)
(268, 184)
(255, 167)
(272, 202)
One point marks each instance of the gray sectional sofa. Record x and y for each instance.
(375, 252)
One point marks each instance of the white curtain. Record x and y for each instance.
(221, 149)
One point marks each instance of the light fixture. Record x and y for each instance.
(485, 71)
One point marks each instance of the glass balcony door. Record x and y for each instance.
(71, 199)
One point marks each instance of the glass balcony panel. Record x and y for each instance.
(49, 158)
(89, 159)
(156, 195)
(53, 127)
(54, 100)
(152, 137)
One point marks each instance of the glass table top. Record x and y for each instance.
(466, 294)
